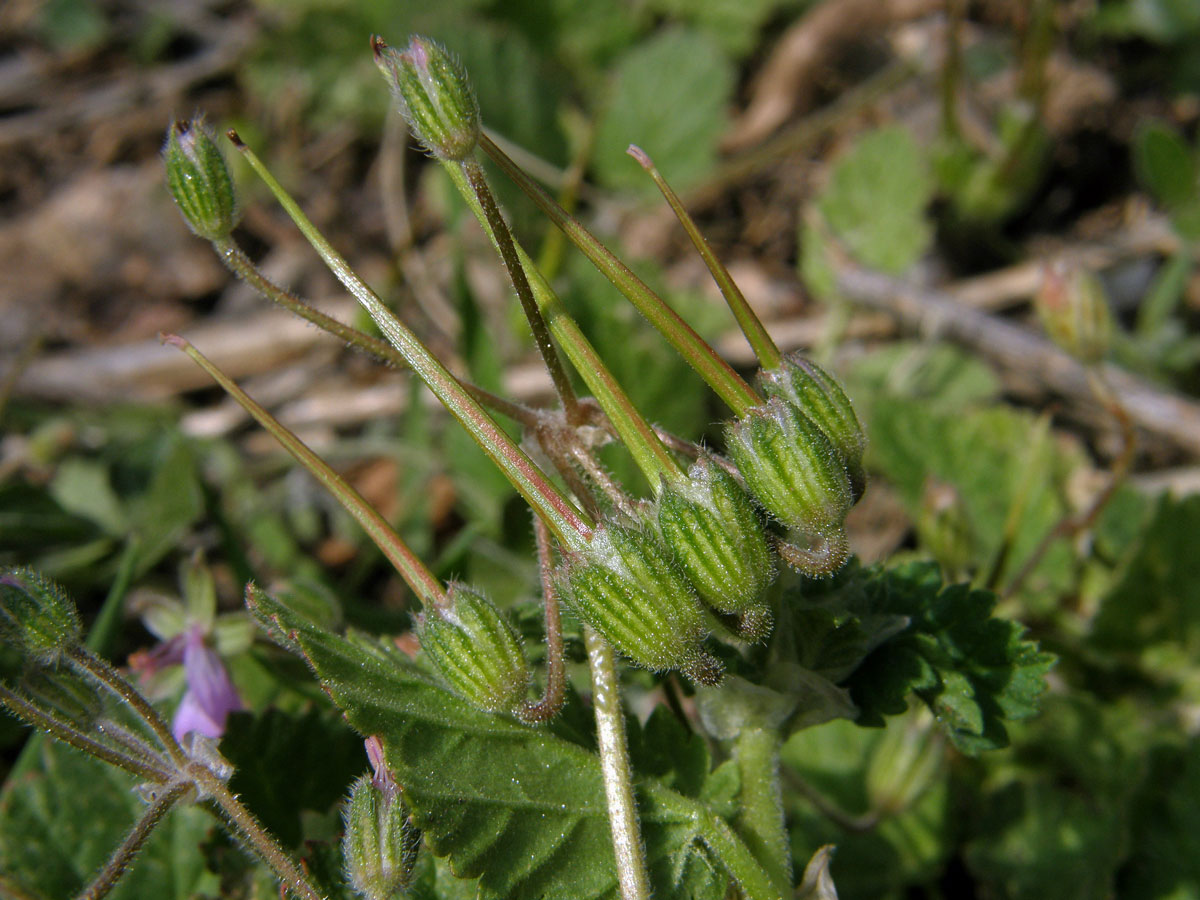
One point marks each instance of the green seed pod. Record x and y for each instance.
(790, 467)
(380, 844)
(626, 587)
(814, 392)
(476, 650)
(36, 613)
(199, 180)
(710, 524)
(434, 95)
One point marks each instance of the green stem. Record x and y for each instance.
(473, 173)
(119, 862)
(569, 526)
(423, 582)
(251, 831)
(68, 734)
(104, 673)
(614, 764)
(634, 431)
(749, 874)
(236, 260)
(714, 370)
(761, 821)
(764, 347)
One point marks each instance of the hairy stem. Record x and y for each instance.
(634, 431)
(121, 858)
(253, 834)
(764, 347)
(714, 370)
(473, 173)
(236, 260)
(423, 582)
(568, 525)
(104, 673)
(69, 734)
(614, 763)
(761, 821)
(552, 698)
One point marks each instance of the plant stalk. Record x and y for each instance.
(104, 673)
(552, 698)
(251, 831)
(569, 526)
(714, 370)
(634, 431)
(423, 582)
(121, 858)
(69, 734)
(760, 341)
(761, 821)
(614, 764)
(473, 173)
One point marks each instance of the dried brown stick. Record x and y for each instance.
(1161, 412)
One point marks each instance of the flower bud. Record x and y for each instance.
(626, 587)
(434, 95)
(37, 614)
(714, 531)
(380, 844)
(1074, 311)
(476, 650)
(814, 392)
(199, 180)
(791, 467)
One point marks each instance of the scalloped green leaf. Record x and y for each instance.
(973, 671)
(518, 807)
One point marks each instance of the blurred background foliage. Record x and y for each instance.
(942, 142)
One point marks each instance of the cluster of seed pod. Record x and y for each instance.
(701, 556)
(707, 549)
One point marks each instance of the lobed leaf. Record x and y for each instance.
(518, 807)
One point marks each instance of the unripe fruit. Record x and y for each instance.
(476, 650)
(199, 180)
(714, 531)
(625, 585)
(816, 394)
(380, 844)
(37, 614)
(434, 95)
(791, 467)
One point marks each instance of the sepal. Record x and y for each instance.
(625, 585)
(434, 95)
(817, 394)
(37, 614)
(380, 844)
(476, 650)
(709, 523)
(199, 180)
(791, 467)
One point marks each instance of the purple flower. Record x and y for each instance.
(210, 695)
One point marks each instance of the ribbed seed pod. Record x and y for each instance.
(709, 522)
(199, 180)
(37, 614)
(813, 391)
(380, 845)
(627, 588)
(476, 650)
(434, 95)
(790, 467)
